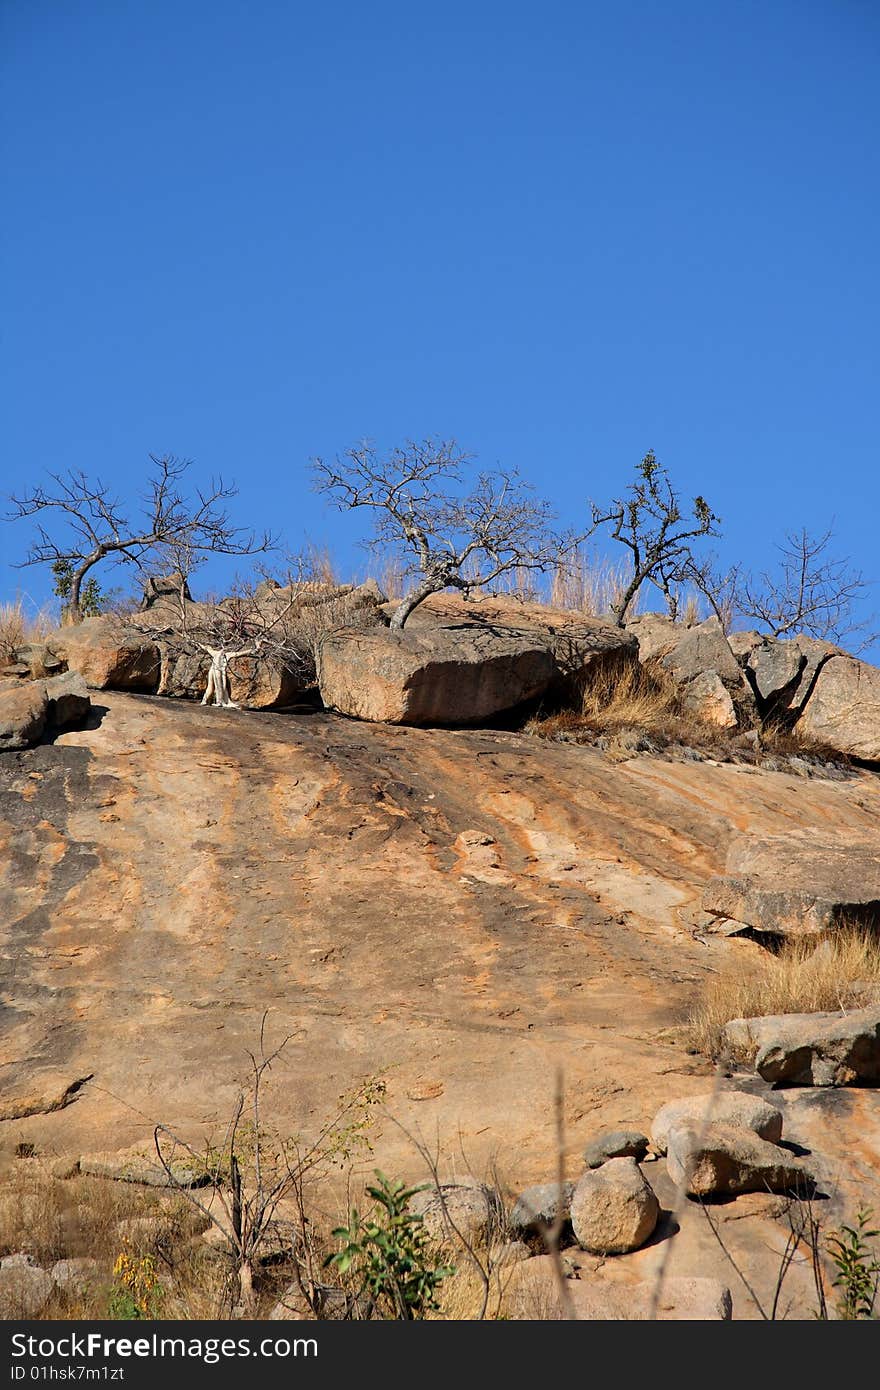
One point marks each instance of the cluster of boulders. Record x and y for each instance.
(25, 1287)
(458, 662)
(739, 681)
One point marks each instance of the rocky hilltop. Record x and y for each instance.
(465, 911)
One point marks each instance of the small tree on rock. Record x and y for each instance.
(810, 591)
(94, 525)
(453, 538)
(651, 523)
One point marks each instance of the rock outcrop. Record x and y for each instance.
(738, 1108)
(843, 710)
(701, 663)
(33, 708)
(432, 674)
(726, 1160)
(797, 885)
(107, 654)
(819, 1049)
(463, 663)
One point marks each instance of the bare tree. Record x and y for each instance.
(453, 538)
(650, 523)
(97, 527)
(811, 592)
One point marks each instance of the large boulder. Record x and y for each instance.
(69, 702)
(426, 674)
(457, 1209)
(538, 1208)
(23, 711)
(725, 1160)
(25, 1288)
(819, 1049)
(737, 1108)
(581, 645)
(257, 682)
(613, 1208)
(107, 654)
(700, 661)
(793, 885)
(28, 710)
(843, 710)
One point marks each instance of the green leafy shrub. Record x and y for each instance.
(388, 1253)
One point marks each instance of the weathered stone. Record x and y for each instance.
(774, 666)
(782, 670)
(703, 648)
(39, 660)
(258, 683)
(736, 1108)
(23, 714)
(470, 1207)
(69, 700)
(107, 654)
(818, 1049)
(843, 710)
(76, 1275)
(742, 644)
(184, 675)
(794, 885)
(613, 1208)
(136, 1165)
(726, 1159)
(656, 635)
(615, 1143)
(25, 1288)
(431, 675)
(581, 646)
(539, 1207)
(708, 698)
(166, 586)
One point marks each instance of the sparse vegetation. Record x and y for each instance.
(650, 523)
(453, 536)
(94, 526)
(388, 1254)
(20, 625)
(858, 1268)
(840, 971)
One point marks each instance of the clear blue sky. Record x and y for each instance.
(249, 233)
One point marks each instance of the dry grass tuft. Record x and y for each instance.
(19, 625)
(589, 584)
(625, 698)
(839, 971)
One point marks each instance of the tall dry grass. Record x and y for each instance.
(840, 971)
(21, 623)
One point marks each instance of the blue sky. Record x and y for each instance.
(562, 233)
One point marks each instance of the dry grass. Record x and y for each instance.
(840, 971)
(20, 624)
(589, 584)
(625, 698)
